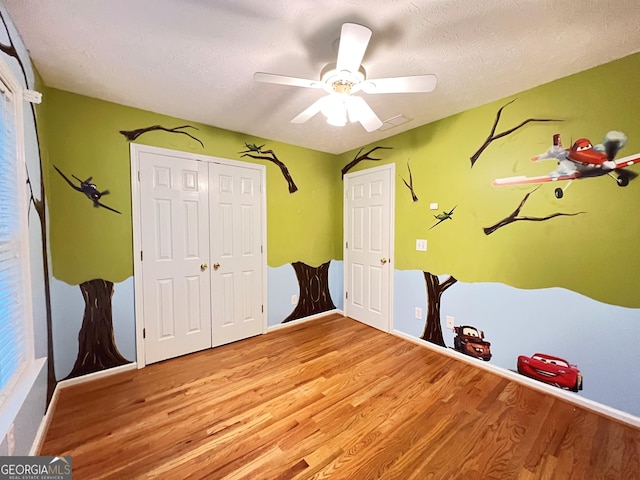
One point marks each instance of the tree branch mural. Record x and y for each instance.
(255, 151)
(409, 185)
(515, 218)
(494, 136)
(432, 327)
(40, 208)
(132, 135)
(359, 158)
(314, 291)
(96, 344)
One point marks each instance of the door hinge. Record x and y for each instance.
(262, 308)
(140, 255)
(144, 333)
(261, 249)
(346, 245)
(346, 295)
(138, 175)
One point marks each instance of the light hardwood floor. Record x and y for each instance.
(330, 398)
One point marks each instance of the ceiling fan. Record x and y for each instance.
(341, 80)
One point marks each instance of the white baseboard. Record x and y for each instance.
(315, 316)
(95, 375)
(570, 397)
(44, 423)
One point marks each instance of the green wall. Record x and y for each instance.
(83, 139)
(594, 253)
(591, 253)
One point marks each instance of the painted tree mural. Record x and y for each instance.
(257, 152)
(515, 217)
(132, 135)
(495, 136)
(97, 347)
(359, 157)
(432, 327)
(314, 291)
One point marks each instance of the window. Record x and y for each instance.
(16, 323)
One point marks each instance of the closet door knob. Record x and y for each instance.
(203, 267)
(216, 266)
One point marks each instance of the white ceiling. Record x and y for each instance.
(195, 59)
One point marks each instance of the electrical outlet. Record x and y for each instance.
(11, 441)
(421, 245)
(418, 313)
(294, 299)
(450, 321)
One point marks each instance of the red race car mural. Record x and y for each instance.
(470, 341)
(582, 160)
(552, 370)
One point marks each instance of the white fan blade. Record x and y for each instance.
(310, 111)
(354, 39)
(284, 80)
(359, 110)
(411, 84)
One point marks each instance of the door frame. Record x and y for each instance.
(392, 227)
(135, 150)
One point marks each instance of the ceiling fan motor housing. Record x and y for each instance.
(341, 81)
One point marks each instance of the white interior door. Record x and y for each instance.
(236, 252)
(369, 197)
(174, 211)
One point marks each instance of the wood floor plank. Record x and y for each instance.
(330, 398)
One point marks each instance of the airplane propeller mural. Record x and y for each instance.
(582, 160)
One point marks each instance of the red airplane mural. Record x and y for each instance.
(582, 160)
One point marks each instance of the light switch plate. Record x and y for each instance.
(433, 206)
(421, 245)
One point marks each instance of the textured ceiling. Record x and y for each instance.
(195, 59)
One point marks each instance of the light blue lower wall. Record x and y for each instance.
(602, 340)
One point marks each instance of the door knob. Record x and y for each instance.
(216, 266)
(384, 260)
(203, 267)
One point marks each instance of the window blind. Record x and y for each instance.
(12, 314)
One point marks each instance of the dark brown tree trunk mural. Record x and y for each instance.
(314, 291)
(432, 328)
(96, 345)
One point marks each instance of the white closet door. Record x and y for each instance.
(174, 210)
(236, 252)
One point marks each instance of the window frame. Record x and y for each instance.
(14, 393)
